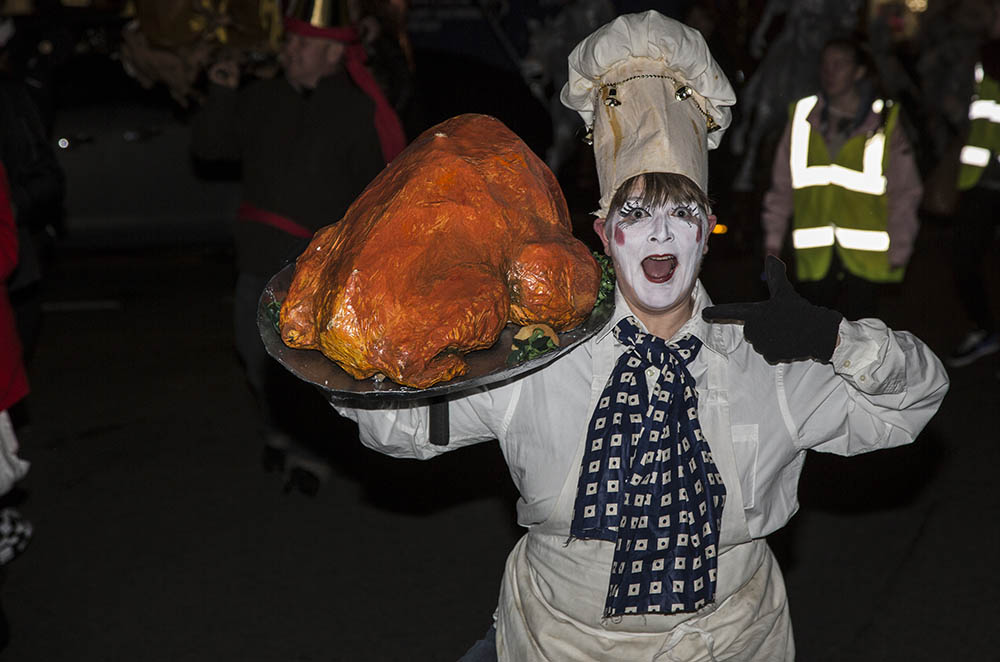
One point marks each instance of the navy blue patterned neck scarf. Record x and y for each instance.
(648, 482)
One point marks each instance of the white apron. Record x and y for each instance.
(552, 601)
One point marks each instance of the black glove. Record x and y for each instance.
(786, 327)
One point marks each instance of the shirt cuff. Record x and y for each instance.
(857, 351)
(385, 429)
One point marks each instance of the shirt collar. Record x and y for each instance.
(720, 338)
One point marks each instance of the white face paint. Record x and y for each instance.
(657, 253)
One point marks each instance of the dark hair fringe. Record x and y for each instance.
(658, 188)
(858, 48)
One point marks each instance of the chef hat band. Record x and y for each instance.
(653, 97)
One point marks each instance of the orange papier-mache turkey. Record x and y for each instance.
(463, 232)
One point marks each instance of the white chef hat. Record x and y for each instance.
(654, 98)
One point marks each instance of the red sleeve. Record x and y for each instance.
(8, 231)
(13, 379)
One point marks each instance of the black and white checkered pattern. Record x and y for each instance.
(15, 533)
(648, 482)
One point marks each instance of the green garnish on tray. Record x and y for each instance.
(536, 339)
(529, 345)
(607, 286)
(274, 312)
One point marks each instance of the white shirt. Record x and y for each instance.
(879, 390)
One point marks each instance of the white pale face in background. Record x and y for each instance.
(657, 252)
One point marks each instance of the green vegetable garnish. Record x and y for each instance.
(524, 349)
(274, 312)
(607, 286)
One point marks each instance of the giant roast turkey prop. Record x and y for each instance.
(463, 232)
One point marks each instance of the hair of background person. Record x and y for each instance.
(858, 49)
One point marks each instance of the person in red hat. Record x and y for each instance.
(309, 142)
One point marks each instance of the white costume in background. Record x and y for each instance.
(879, 390)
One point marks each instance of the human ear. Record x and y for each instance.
(334, 52)
(709, 226)
(599, 224)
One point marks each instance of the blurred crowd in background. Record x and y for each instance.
(924, 52)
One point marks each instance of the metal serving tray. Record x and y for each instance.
(487, 367)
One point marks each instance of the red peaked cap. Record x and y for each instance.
(387, 124)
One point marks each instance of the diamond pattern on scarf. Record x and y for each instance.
(648, 482)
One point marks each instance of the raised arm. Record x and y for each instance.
(844, 387)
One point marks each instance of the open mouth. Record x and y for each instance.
(659, 268)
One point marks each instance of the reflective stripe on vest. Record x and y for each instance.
(858, 240)
(863, 240)
(870, 180)
(984, 109)
(841, 199)
(812, 237)
(974, 156)
(984, 130)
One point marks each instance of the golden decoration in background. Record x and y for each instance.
(173, 43)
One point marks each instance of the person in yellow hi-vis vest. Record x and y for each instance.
(845, 173)
(976, 219)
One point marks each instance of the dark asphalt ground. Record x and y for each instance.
(159, 537)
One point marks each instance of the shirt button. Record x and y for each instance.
(862, 378)
(847, 364)
(652, 372)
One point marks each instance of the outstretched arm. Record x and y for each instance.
(865, 387)
(404, 431)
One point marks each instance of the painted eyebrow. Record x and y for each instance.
(630, 206)
(692, 207)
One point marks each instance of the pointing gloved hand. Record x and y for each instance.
(786, 327)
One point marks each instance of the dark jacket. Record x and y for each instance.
(37, 183)
(305, 156)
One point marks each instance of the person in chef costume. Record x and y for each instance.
(653, 459)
